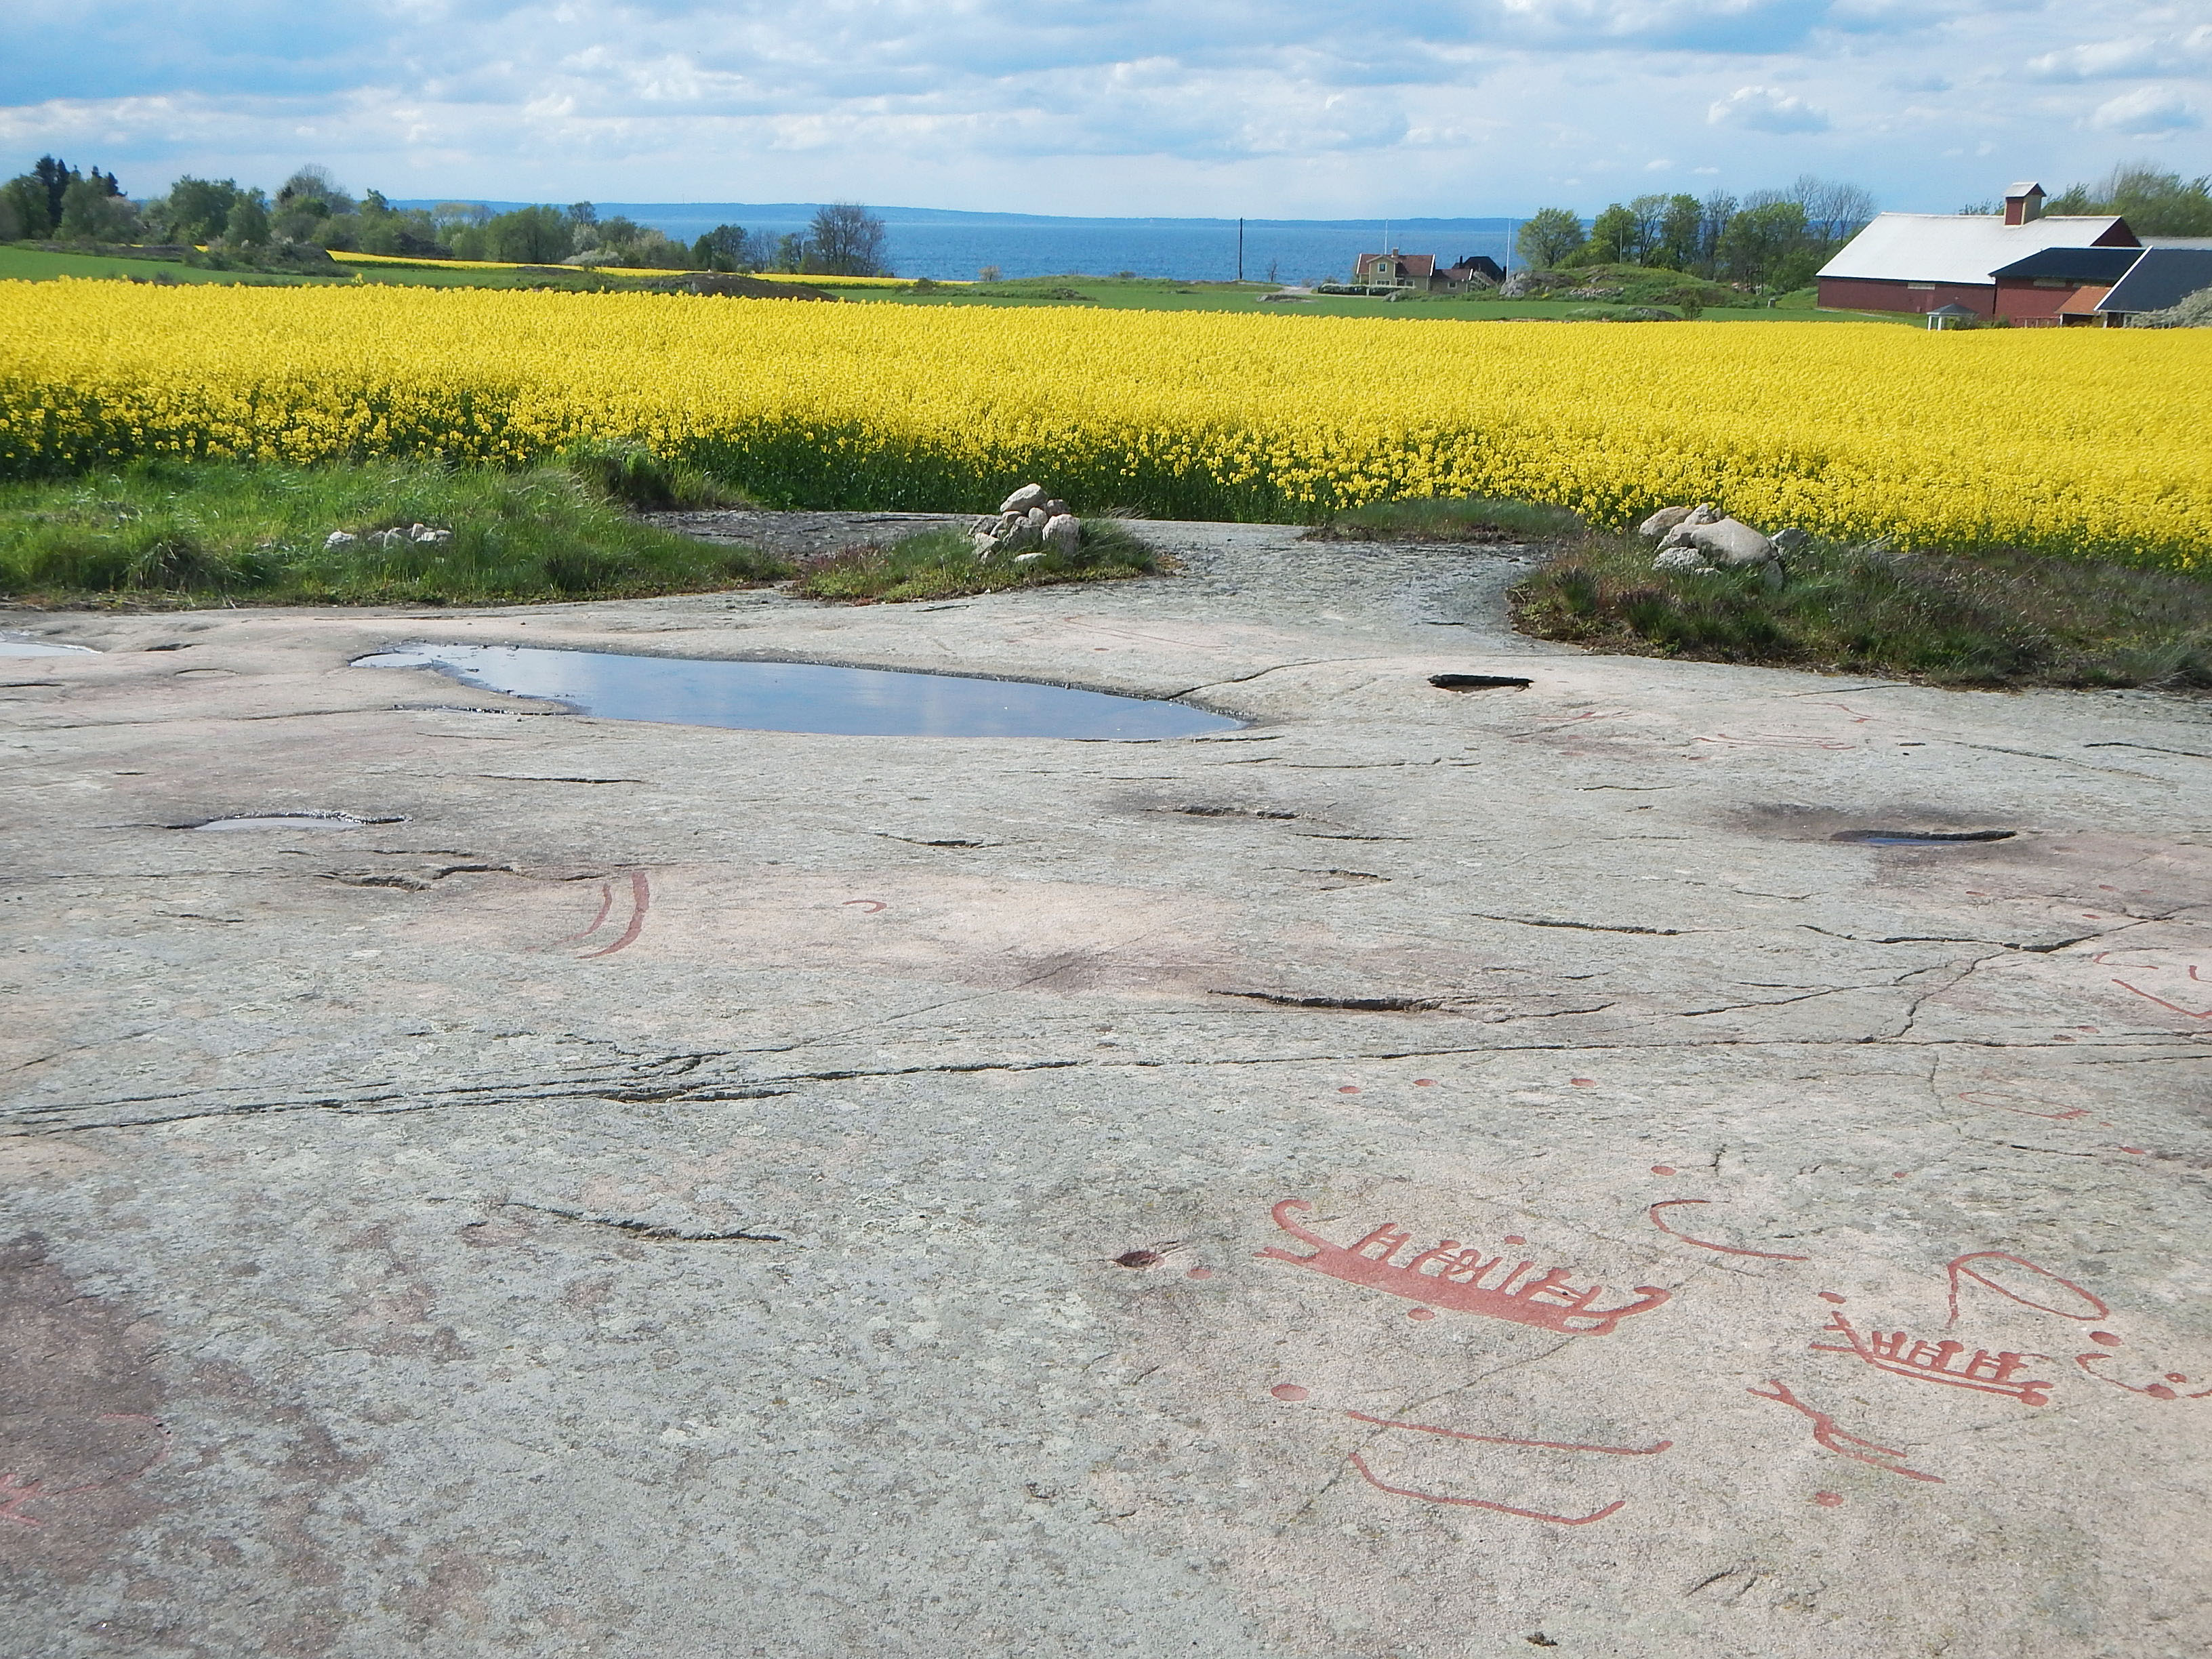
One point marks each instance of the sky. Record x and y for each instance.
(1268, 108)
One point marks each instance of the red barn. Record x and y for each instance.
(1921, 261)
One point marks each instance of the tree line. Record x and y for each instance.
(54, 201)
(1770, 238)
(2154, 203)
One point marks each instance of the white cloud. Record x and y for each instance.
(2097, 60)
(1102, 106)
(1767, 109)
(2146, 111)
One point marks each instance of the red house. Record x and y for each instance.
(1921, 261)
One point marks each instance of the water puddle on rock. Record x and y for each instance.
(1479, 681)
(1920, 837)
(804, 696)
(17, 646)
(314, 821)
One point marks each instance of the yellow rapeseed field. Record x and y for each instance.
(2071, 440)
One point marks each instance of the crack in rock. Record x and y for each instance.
(648, 1229)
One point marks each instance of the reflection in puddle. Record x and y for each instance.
(1919, 837)
(18, 647)
(804, 696)
(290, 821)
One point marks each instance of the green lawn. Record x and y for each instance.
(21, 264)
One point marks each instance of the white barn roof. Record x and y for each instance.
(1957, 247)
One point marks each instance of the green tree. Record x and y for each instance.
(846, 239)
(2154, 203)
(247, 223)
(1679, 245)
(726, 247)
(90, 214)
(54, 176)
(197, 210)
(1759, 241)
(1551, 235)
(1650, 216)
(23, 209)
(531, 236)
(790, 252)
(1612, 237)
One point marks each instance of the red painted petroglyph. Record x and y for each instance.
(1663, 1169)
(1828, 1434)
(1830, 1295)
(1512, 1440)
(868, 906)
(1896, 1352)
(2154, 1390)
(1198, 1273)
(1707, 1244)
(1957, 1269)
(15, 1492)
(1827, 1500)
(640, 896)
(1450, 1277)
(1290, 1391)
(1367, 1475)
(2066, 1116)
(607, 905)
(2196, 977)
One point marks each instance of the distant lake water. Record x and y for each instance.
(954, 246)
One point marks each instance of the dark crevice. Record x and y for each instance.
(1597, 927)
(1479, 681)
(1356, 1004)
(647, 1229)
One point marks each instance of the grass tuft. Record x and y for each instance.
(1994, 619)
(938, 564)
(633, 476)
(187, 533)
(1463, 518)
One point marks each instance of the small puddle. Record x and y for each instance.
(804, 696)
(1478, 682)
(23, 648)
(1920, 837)
(289, 821)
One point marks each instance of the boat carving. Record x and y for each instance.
(1452, 1276)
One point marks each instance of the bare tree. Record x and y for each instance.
(846, 239)
(1834, 211)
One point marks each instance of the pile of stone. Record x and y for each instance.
(1701, 541)
(393, 537)
(1028, 518)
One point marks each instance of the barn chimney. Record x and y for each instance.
(2023, 202)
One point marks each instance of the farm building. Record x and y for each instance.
(2169, 271)
(1419, 273)
(1986, 262)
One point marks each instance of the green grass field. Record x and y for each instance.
(21, 263)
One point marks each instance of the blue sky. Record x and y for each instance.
(1267, 107)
